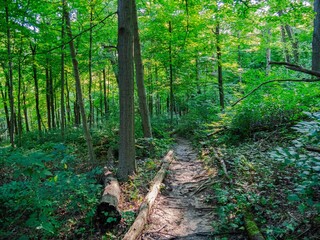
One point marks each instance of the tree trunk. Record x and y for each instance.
(108, 206)
(316, 38)
(220, 79)
(52, 98)
(19, 96)
(268, 53)
(127, 163)
(10, 76)
(105, 97)
(144, 111)
(48, 98)
(294, 43)
(78, 84)
(68, 108)
(25, 110)
(171, 103)
(284, 43)
(91, 112)
(36, 85)
(62, 83)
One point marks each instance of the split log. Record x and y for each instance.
(108, 214)
(141, 220)
(251, 227)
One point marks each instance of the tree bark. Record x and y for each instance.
(147, 204)
(316, 38)
(91, 112)
(48, 98)
(105, 96)
(171, 103)
(127, 163)
(108, 206)
(143, 106)
(62, 83)
(36, 85)
(78, 85)
(10, 76)
(219, 59)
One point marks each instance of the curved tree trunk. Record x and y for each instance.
(78, 85)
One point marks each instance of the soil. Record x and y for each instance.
(181, 210)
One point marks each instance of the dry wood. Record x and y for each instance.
(138, 225)
(107, 213)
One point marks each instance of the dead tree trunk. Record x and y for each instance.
(147, 204)
(108, 214)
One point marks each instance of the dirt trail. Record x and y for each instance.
(180, 210)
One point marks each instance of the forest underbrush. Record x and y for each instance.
(49, 190)
(271, 175)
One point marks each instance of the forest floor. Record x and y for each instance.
(182, 209)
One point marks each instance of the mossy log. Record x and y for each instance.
(141, 220)
(108, 214)
(251, 227)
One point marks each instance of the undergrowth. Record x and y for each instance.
(274, 177)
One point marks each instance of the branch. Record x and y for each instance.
(77, 35)
(297, 68)
(277, 80)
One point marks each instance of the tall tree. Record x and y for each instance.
(62, 77)
(10, 76)
(127, 163)
(78, 83)
(316, 38)
(219, 59)
(33, 48)
(143, 106)
(91, 113)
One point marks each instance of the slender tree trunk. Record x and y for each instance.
(48, 98)
(171, 102)
(19, 97)
(25, 110)
(62, 102)
(52, 96)
(285, 47)
(105, 97)
(219, 58)
(127, 163)
(143, 106)
(36, 85)
(294, 43)
(268, 53)
(91, 113)
(316, 38)
(5, 105)
(78, 84)
(10, 76)
(68, 99)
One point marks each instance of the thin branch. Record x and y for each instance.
(271, 81)
(79, 34)
(297, 68)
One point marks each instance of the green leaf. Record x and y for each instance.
(293, 198)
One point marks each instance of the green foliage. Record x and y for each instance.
(44, 197)
(306, 164)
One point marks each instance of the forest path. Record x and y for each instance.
(180, 210)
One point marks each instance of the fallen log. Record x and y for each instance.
(141, 220)
(108, 214)
(251, 227)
